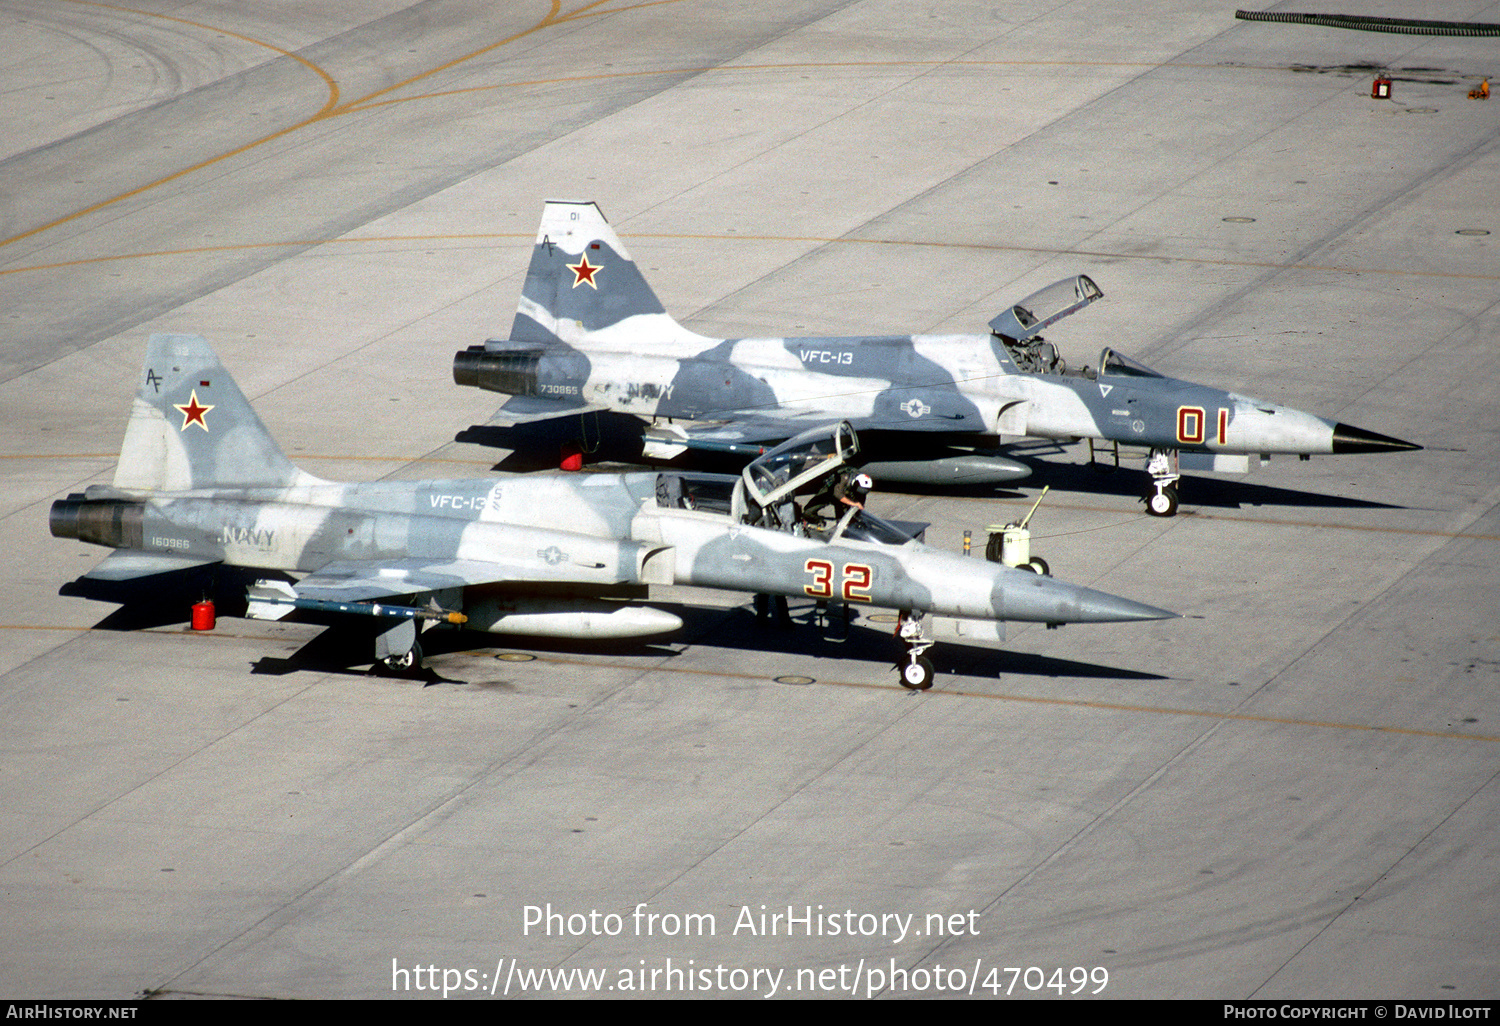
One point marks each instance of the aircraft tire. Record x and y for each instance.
(1038, 565)
(1162, 503)
(407, 664)
(917, 675)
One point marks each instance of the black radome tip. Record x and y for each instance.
(1350, 439)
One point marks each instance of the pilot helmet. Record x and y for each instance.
(862, 483)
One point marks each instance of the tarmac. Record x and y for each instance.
(1293, 792)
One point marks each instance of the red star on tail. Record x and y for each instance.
(583, 271)
(193, 411)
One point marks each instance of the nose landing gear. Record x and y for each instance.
(1161, 496)
(916, 669)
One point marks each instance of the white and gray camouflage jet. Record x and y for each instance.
(590, 334)
(201, 482)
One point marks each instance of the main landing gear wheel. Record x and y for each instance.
(1162, 503)
(917, 675)
(1037, 565)
(407, 664)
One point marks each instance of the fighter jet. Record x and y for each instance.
(201, 482)
(589, 334)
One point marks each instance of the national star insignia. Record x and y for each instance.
(583, 271)
(193, 412)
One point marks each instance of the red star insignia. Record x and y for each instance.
(583, 271)
(193, 411)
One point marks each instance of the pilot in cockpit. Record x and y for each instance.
(846, 488)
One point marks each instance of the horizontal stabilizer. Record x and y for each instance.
(529, 409)
(123, 565)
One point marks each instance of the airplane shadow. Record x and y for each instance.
(611, 438)
(344, 648)
(346, 645)
(831, 637)
(161, 600)
(1218, 493)
(807, 637)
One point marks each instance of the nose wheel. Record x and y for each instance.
(916, 669)
(917, 674)
(1161, 501)
(1161, 496)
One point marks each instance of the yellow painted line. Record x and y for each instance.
(1326, 524)
(62, 456)
(240, 246)
(1195, 514)
(328, 107)
(738, 237)
(1065, 702)
(333, 87)
(935, 693)
(555, 16)
(725, 69)
(1211, 714)
(299, 455)
(331, 107)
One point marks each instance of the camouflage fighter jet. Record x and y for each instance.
(591, 335)
(201, 482)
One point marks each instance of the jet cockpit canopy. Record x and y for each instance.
(1111, 362)
(797, 464)
(1045, 307)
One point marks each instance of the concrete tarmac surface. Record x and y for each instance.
(1292, 792)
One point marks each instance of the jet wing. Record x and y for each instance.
(127, 565)
(362, 581)
(528, 409)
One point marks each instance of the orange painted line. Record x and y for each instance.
(1066, 702)
(738, 237)
(935, 693)
(299, 455)
(331, 107)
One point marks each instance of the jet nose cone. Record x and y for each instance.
(1048, 600)
(1350, 439)
(1102, 607)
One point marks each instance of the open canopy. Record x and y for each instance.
(1037, 311)
(798, 464)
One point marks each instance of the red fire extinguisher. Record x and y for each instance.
(203, 615)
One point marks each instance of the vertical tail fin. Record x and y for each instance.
(581, 279)
(191, 427)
